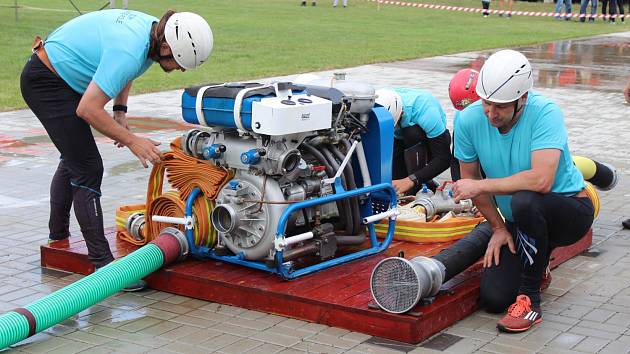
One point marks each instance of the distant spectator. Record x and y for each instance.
(612, 10)
(336, 2)
(486, 7)
(567, 4)
(583, 6)
(510, 3)
(621, 13)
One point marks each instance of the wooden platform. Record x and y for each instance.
(338, 297)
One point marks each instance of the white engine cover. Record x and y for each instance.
(301, 113)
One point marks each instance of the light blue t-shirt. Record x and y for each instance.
(422, 109)
(540, 126)
(110, 47)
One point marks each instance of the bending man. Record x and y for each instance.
(69, 79)
(422, 142)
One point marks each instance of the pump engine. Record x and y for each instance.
(307, 162)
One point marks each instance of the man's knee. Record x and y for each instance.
(524, 204)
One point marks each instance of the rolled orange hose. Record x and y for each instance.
(184, 173)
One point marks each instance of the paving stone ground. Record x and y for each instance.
(585, 309)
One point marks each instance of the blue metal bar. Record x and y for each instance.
(283, 270)
(189, 213)
(376, 247)
(331, 198)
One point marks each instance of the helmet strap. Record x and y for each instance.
(517, 109)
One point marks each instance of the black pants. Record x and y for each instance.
(541, 223)
(545, 221)
(77, 180)
(614, 4)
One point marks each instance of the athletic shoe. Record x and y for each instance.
(546, 279)
(520, 316)
(137, 286)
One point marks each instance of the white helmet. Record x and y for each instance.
(391, 100)
(505, 77)
(190, 39)
(305, 79)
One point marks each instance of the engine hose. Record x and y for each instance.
(347, 211)
(300, 251)
(350, 181)
(465, 252)
(21, 323)
(350, 240)
(601, 175)
(329, 172)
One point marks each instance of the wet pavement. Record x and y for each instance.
(585, 309)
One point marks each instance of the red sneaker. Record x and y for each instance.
(546, 279)
(520, 316)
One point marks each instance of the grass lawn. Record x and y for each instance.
(259, 38)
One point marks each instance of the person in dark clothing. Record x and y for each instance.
(71, 76)
(422, 142)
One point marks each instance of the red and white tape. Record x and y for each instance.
(496, 12)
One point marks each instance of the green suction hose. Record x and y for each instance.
(22, 323)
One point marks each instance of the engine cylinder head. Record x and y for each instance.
(397, 284)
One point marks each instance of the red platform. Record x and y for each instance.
(337, 296)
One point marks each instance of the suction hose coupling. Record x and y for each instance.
(173, 243)
(397, 284)
(442, 202)
(135, 225)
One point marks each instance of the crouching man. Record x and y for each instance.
(518, 138)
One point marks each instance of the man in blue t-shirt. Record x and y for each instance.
(519, 139)
(422, 142)
(87, 62)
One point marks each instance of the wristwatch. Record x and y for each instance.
(413, 179)
(119, 108)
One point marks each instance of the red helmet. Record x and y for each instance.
(462, 87)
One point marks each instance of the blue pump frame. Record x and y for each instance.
(284, 269)
(378, 144)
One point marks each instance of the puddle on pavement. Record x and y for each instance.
(148, 124)
(598, 63)
(122, 168)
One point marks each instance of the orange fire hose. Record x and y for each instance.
(183, 173)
